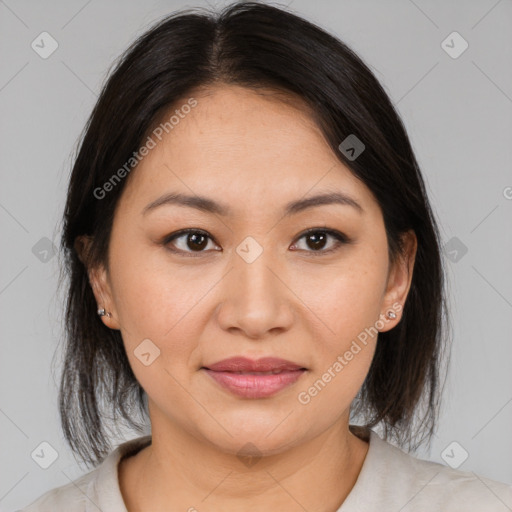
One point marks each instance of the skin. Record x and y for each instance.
(253, 153)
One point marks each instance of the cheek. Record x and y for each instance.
(347, 299)
(154, 300)
(348, 302)
(158, 307)
(345, 341)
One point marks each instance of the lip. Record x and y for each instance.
(239, 375)
(244, 364)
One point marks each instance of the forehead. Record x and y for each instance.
(243, 147)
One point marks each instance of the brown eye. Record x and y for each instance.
(316, 240)
(188, 241)
(196, 241)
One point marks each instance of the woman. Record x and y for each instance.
(253, 264)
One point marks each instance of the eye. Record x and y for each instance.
(317, 239)
(190, 241)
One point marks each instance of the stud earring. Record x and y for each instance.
(391, 314)
(101, 312)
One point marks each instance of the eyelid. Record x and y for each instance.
(340, 237)
(177, 234)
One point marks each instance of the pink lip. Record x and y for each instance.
(244, 364)
(249, 384)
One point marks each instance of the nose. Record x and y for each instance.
(256, 300)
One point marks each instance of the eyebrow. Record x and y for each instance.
(209, 205)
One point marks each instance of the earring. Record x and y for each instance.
(391, 314)
(101, 312)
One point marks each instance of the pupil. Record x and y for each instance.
(193, 238)
(315, 238)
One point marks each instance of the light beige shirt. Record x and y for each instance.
(390, 480)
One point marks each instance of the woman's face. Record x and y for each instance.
(250, 283)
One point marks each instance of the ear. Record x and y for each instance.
(399, 281)
(99, 281)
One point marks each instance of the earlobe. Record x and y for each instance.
(400, 279)
(102, 312)
(98, 280)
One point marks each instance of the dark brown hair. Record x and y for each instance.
(255, 46)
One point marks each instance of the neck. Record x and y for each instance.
(179, 471)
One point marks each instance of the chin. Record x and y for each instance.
(267, 437)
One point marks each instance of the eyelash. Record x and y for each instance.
(341, 239)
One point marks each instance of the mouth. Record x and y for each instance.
(246, 365)
(247, 378)
(272, 372)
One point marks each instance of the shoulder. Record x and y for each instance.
(98, 489)
(391, 478)
(71, 497)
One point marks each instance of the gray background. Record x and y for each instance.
(458, 114)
